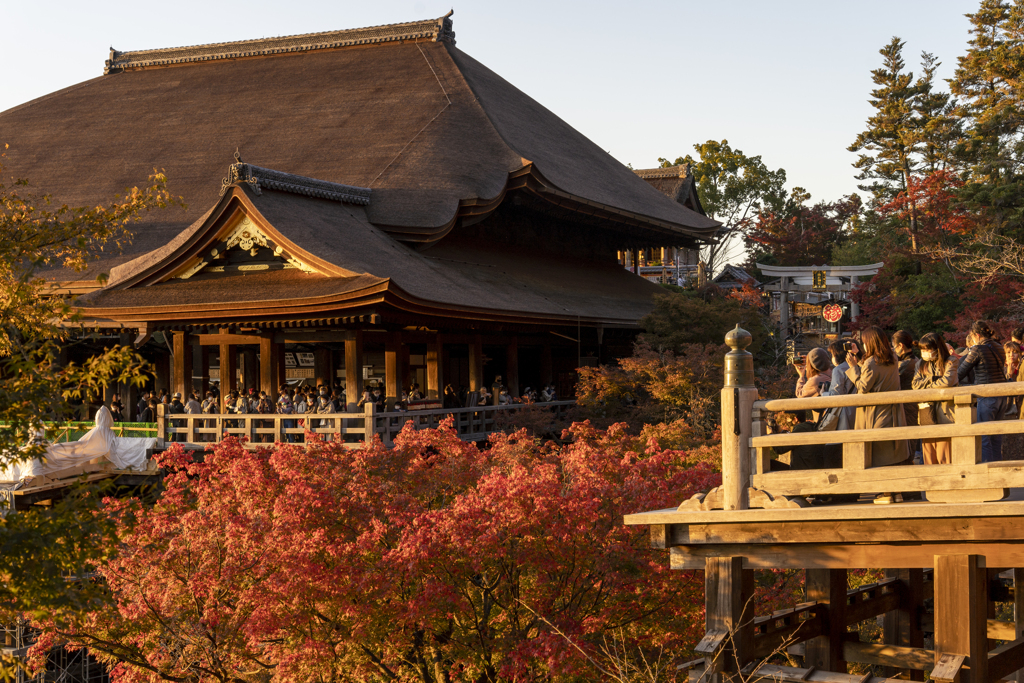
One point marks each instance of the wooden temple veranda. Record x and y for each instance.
(949, 559)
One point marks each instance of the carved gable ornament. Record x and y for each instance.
(244, 248)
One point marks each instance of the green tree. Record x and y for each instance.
(988, 83)
(887, 146)
(733, 188)
(43, 546)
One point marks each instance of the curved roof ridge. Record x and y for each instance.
(439, 29)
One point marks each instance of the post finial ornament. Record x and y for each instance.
(739, 363)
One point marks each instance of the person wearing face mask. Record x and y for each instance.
(985, 359)
(841, 384)
(936, 370)
(903, 346)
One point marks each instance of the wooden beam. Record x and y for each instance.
(182, 364)
(788, 626)
(1009, 474)
(1005, 660)
(960, 626)
(948, 668)
(908, 658)
(354, 371)
(827, 587)
(868, 601)
(848, 556)
(226, 338)
(952, 529)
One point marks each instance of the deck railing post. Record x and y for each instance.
(369, 421)
(966, 450)
(161, 424)
(738, 398)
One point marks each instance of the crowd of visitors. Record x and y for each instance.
(872, 361)
(320, 400)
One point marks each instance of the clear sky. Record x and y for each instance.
(788, 80)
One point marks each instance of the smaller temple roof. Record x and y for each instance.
(676, 183)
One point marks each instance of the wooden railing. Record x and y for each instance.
(471, 424)
(965, 479)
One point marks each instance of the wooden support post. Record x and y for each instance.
(728, 589)
(512, 366)
(435, 368)
(827, 586)
(961, 594)
(182, 365)
(126, 391)
(354, 370)
(392, 368)
(250, 372)
(546, 366)
(856, 456)
(369, 421)
(902, 627)
(476, 363)
(228, 368)
(760, 461)
(161, 424)
(204, 370)
(966, 449)
(322, 369)
(281, 370)
(738, 398)
(1018, 613)
(162, 378)
(269, 358)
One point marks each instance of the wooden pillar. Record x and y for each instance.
(323, 369)
(269, 356)
(961, 594)
(512, 366)
(546, 372)
(250, 372)
(827, 586)
(902, 627)
(435, 368)
(204, 370)
(162, 378)
(728, 589)
(281, 376)
(476, 363)
(228, 368)
(636, 261)
(354, 370)
(126, 391)
(784, 308)
(182, 365)
(393, 368)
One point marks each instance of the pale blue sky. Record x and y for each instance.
(786, 80)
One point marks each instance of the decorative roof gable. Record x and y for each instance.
(439, 29)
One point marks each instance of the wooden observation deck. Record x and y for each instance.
(948, 559)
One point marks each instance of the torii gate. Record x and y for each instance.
(814, 279)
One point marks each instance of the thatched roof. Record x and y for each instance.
(431, 132)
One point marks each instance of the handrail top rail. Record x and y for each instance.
(359, 414)
(891, 397)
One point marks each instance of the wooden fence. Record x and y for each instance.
(747, 479)
(471, 424)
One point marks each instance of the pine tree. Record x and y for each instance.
(988, 82)
(936, 131)
(887, 146)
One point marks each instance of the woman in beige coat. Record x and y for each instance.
(936, 370)
(876, 371)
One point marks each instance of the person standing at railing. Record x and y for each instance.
(985, 359)
(840, 386)
(286, 407)
(936, 370)
(814, 375)
(874, 371)
(176, 407)
(903, 346)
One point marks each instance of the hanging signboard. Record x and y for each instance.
(833, 313)
(818, 280)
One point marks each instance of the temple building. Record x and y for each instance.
(374, 199)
